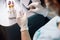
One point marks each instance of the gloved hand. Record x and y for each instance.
(22, 21)
(36, 7)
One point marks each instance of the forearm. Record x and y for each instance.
(25, 35)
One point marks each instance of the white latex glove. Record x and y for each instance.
(37, 7)
(22, 21)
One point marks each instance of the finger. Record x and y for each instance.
(18, 14)
(34, 4)
(34, 10)
(25, 14)
(21, 13)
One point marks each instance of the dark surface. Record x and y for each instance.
(13, 32)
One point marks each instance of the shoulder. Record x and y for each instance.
(47, 29)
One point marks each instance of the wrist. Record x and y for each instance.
(24, 28)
